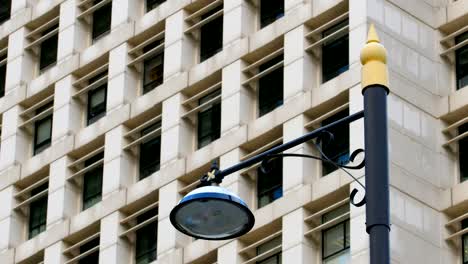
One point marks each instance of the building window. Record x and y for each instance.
(92, 182)
(461, 58)
(335, 53)
(463, 153)
(337, 150)
(97, 99)
(211, 35)
(153, 68)
(92, 258)
(209, 120)
(38, 212)
(3, 64)
(48, 54)
(270, 87)
(150, 152)
(270, 11)
(336, 239)
(5, 9)
(101, 20)
(146, 239)
(270, 184)
(268, 246)
(43, 130)
(152, 4)
(464, 224)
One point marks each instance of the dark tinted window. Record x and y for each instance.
(463, 153)
(209, 121)
(337, 149)
(5, 9)
(92, 183)
(38, 213)
(462, 62)
(48, 55)
(270, 87)
(336, 239)
(211, 36)
(152, 4)
(270, 11)
(270, 184)
(42, 130)
(146, 241)
(93, 258)
(97, 99)
(102, 20)
(335, 53)
(3, 75)
(150, 152)
(153, 68)
(268, 246)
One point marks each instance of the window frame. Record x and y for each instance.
(264, 83)
(38, 147)
(155, 4)
(34, 229)
(344, 224)
(213, 113)
(142, 169)
(101, 13)
(328, 45)
(459, 67)
(151, 85)
(264, 21)
(328, 168)
(93, 256)
(3, 69)
(277, 256)
(464, 240)
(206, 47)
(463, 153)
(50, 44)
(89, 200)
(145, 232)
(276, 166)
(7, 14)
(92, 117)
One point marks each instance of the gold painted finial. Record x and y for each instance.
(374, 62)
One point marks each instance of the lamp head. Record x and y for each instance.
(212, 213)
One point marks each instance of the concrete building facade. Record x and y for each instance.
(112, 110)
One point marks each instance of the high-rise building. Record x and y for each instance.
(112, 110)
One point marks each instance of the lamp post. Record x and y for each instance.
(213, 213)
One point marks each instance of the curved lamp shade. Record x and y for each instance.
(212, 213)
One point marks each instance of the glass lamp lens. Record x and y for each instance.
(212, 218)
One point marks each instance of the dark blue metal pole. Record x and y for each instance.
(377, 179)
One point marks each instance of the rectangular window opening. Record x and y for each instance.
(152, 4)
(209, 120)
(336, 239)
(3, 75)
(38, 212)
(92, 182)
(267, 246)
(101, 20)
(153, 68)
(5, 10)
(150, 152)
(270, 184)
(146, 239)
(270, 87)
(461, 58)
(43, 130)
(335, 53)
(48, 50)
(92, 258)
(97, 100)
(211, 35)
(463, 153)
(337, 150)
(270, 11)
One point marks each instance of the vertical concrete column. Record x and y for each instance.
(72, 32)
(12, 225)
(67, 111)
(238, 21)
(228, 253)
(176, 136)
(298, 65)
(178, 46)
(169, 239)
(21, 65)
(237, 101)
(123, 82)
(18, 5)
(297, 171)
(15, 141)
(358, 13)
(53, 254)
(124, 11)
(235, 182)
(113, 248)
(118, 166)
(296, 247)
(63, 196)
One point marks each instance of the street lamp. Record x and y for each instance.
(213, 213)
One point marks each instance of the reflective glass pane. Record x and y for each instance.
(341, 258)
(461, 58)
(333, 240)
(44, 130)
(101, 20)
(270, 11)
(98, 98)
(211, 35)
